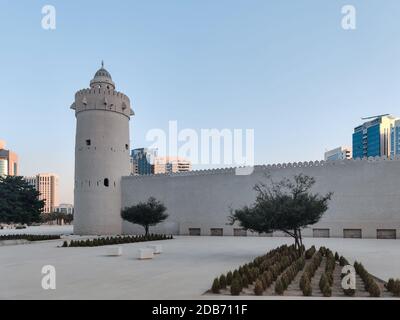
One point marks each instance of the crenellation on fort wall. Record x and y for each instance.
(275, 166)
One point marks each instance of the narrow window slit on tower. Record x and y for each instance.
(88, 142)
(106, 182)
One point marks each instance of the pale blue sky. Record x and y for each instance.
(285, 68)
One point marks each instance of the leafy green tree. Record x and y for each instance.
(19, 201)
(146, 214)
(287, 205)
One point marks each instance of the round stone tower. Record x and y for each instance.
(101, 155)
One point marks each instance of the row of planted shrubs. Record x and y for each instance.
(326, 280)
(309, 272)
(369, 283)
(289, 274)
(393, 286)
(261, 272)
(281, 266)
(105, 241)
(29, 237)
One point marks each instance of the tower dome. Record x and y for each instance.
(102, 79)
(103, 73)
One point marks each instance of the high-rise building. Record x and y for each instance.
(340, 153)
(8, 161)
(373, 138)
(395, 138)
(3, 167)
(142, 161)
(47, 185)
(171, 165)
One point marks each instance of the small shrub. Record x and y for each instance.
(329, 277)
(322, 251)
(368, 282)
(267, 275)
(374, 290)
(396, 288)
(264, 282)
(222, 281)
(336, 256)
(250, 275)
(349, 292)
(229, 278)
(307, 290)
(327, 291)
(323, 282)
(255, 273)
(310, 252)
(245, 282)
(65, 244)
(284, 281)
(236, 287)
(342, 261)
(304, 278)
(215, 286)
(390, 285)
(279, 287)
(258, 288)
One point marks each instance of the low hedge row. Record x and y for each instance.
(105, 241)
(29, 237)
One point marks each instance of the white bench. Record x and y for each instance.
(146, 253)
(114, 251)
(157, 248)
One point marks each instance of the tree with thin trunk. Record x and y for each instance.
(287, 206)
(146, 214)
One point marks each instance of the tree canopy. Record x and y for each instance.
(19, 201)
(146, 214)
(58, 217)
(287, 206)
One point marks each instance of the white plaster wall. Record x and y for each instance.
(97, 208)
(366, 195)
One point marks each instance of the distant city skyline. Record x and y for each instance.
(287, 70)
(146, 161)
